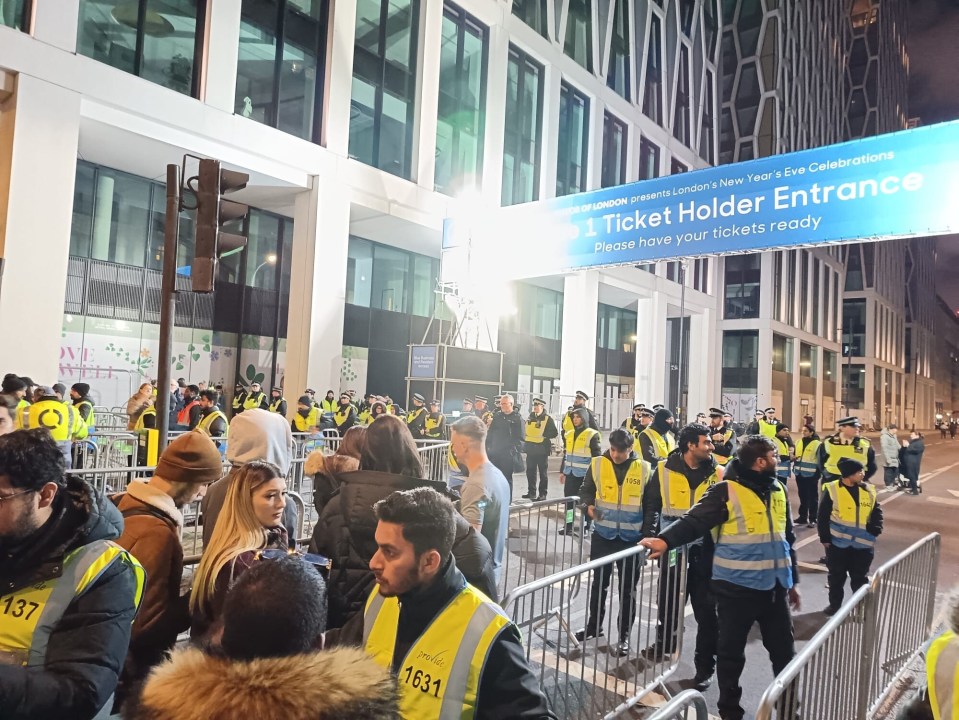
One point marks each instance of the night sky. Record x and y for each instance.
(934, 97)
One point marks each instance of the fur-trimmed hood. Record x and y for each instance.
(319, 462)
(338, 684)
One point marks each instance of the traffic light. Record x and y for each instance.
(212, 212)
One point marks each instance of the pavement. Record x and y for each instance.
(907, 518)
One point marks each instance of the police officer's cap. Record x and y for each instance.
(848, 466)
(770, 409)
(851, 420)
(276, 389)
(648, 412)
(581, 394)
(715, 412)
(468, 400)
(658, 406)
(345, 395)
(539, 401)
(417, 396)
(480, 398)
(638, 406)
(435, 401)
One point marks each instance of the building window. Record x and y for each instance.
(279, 75)
(573, 141)
(707, 134)
(533, 13)
(782, 353)
(853, 269)
(524, 122)
(615, 328)
(539, 312)
(854, 385)
(648, 160)
(617, 77)
(701, 275)
(653, 91)
(816, 306)
(579, 32)
(16, 14)
(681, 119)
(807, 361)
(462, 101)
(158, 40)
(830, 361)
(686, 13)
(712, 27)
(614, 151)
(854, 327)
(676, 167)
(384, 84)
(386, 278)
(742, 276)
(740, 361)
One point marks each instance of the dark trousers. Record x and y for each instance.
(808, 498)
(737, 614)
(571, 486)
(627, 571)
(537, 462)
(671, 611)
(890, 475)
(840, 562)
(504, 462)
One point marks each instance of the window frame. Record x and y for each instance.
(523, 60)
(611, 121)
(568, 97)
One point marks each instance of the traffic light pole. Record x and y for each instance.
(171, 233)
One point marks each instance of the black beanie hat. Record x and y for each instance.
(82, 388)
(12, 384)
(848, 466)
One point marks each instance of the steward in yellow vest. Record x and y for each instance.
(722, 436)
(806, 469)
(328, 404)
(435, 422)
(84, 405)
(416, 417)
(634, 423)
(277, 402)
(239, 398)
(256, 398)
(581, 446)
(850, 519)
(579, 402)
(454, 652)
(539, 434)
(307, 418)
(39, 582)
(345, 414)
(212, 420)
(846, 443)
(942, 673)
(786, 448)
(656, 441)
(63, 422)
(754, 565)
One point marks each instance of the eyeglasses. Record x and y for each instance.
(13, 495)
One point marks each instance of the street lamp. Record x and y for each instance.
(270, 260)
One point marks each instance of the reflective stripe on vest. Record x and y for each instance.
(808, 453)
(782, 467)
(147, 412)
(275, 405)
(440, 675)
(22, 413)
(303, 424)
(751, 547)
(413, 415)
(857, 450)
(238, 401)
(578, 454)
(86, 413)
(619, 508)
(254, 401)
(206, 422)
(942, 676)
(340, 417)
(662, 445)
(675, 493)
(328, 405)
(536, 428)
(847, 524)
(28, 616)
(55, 417)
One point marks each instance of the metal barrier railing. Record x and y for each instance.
(850, 665)
(534, 547)
(687, 705)
(595, 676)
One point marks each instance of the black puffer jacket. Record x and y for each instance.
(345, 534)
(87, 647)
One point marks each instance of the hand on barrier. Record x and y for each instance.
(656, 547)
(795, 599)
(591, 511)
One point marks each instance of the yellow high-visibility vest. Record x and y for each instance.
(446, 661)
(434, 426)
(60, 419)
(22, 413)
(767, 428)
(847, 523)
(147, 412)
(619, 508)
(942, 676)
(303, 424)
(206, 422)
(254, 401)
(663, 444)
(578, 454)
(858, 450)
(341, 416)
(536, 428)
(808, 452)
(675, 492)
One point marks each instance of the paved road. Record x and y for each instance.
(907, 519)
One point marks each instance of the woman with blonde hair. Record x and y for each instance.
(138, 403)
(251, 520)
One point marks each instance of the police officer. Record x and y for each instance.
(680, 481)
(256, 398)
(467, 407)
(656, 441)
(307, 418)
(328, 404)
(311, 394)
(62, 421)
(849, 522)
(787, 449)
(612, 496)
(845, 443)
(345, 415)
(722, 435)
(239, 397)
(579, 402)
(768, 422)
(481, 410)
(435, 428)
(416, 417)
(212, 420)
(753, 427)
(754, 565)
(581, 444)
(540, 431)
(634, 423)
(277, 401)
(806, 469)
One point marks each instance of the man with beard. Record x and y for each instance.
(420, 600)
(656, 441)
(70, 593)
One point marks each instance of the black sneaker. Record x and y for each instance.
(830, 611)
(703, 679)
(621, 649)
(568, 530)
(811, 525)
(542, 496)
(587, 633)
(529, 496)
(653, 653)
(799, 521)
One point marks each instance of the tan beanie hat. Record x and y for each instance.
(191, 458)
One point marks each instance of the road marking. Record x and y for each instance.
(944, 501)
(817, 567)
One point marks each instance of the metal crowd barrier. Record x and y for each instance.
(687, 705)
(588, 679)
(534, 547)
(852, 663)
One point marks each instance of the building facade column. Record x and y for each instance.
(321, 234)
(650, 381)
(223, 43)
(431, 19)
(577, 369)
(339, 92)
(701, 374)
(55, 23)
(36, 215)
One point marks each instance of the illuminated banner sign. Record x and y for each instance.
(891, 186)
